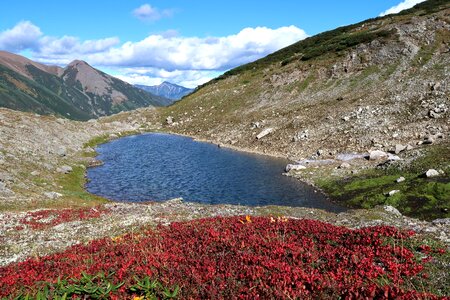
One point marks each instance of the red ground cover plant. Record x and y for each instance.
(240, 258)
(51, 217)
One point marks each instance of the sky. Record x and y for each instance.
(184, 42)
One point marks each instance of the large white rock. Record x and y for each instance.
(293, 167)
(52, 195)
(377, 154)
(64, 169)
(431, 173)
(399, 148)
(392, 210)
(393, 192)
(400, 179)
(264, 133)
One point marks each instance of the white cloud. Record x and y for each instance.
(401, 6)
(146, 12)
(69, 45)
(167, 56)
(193, 53)
(24, 35)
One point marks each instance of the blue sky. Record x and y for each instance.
(186, 42)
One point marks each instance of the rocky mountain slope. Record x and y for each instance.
(369, 85)
(329, 101)
(167, 90)
(42, 165)
(77, 91)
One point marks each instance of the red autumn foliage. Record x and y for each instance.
(51, 217)
(239, 258)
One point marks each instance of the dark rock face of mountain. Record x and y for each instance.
(77, 91)
(167, 90)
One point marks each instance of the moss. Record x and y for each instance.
(424, 198)
(97, 141)
(73, 188)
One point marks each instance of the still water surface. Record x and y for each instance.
(157, 167)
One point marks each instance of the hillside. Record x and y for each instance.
(326, 103)
(376, 85)
(77, 91)
(167, 90)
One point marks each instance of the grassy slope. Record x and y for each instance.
(423, 198)
(20, 93)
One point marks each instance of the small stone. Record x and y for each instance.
(255, 125)
(64, 169)
(264, 133)
(294, 167)
(377, 154)
(431, 173)
(393, 192)
(52, 195)
(400, 179)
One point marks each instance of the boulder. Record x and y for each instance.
(431, 173)
(61, 151)
(264, 133)
(393, 157)
(169, 120)
(4, 191)
(301, 136)
(392, 210)
(400, 179)
(294, 167)
(399, 148)
(428, 140)
(52, 195)
(344, 165)
(393, 192)
(35, 173)
(377, 154)
(64, 169)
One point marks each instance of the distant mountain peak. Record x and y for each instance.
(167, 89)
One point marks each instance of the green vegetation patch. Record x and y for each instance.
(73, 188)
(420, 197)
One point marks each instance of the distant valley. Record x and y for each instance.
(77, 91)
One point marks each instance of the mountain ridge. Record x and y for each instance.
(167, 89)
(77, 91)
